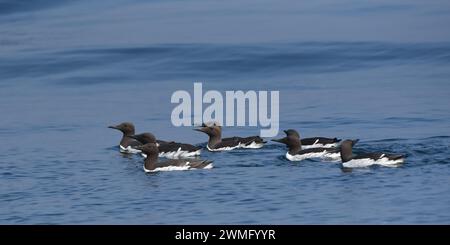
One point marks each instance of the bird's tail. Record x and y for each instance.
(396, 156)
(203, 164)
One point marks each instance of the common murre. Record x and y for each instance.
(127, 144)
(296, 153)
(168, 149)
(313, 142)
(151, 163)
(217, 143)
(367, 159)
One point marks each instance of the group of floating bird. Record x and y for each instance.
(182, 156)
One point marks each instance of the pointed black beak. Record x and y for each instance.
(279, 140)
(199, 129)
(113, 127)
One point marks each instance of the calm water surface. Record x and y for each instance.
(61, 84)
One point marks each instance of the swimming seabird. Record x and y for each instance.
(296, 153)
(217, 143)
(367, 159)
(127, 144)
(314, 141)
(151, 163)
(169, 149)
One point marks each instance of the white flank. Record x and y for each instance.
(323, 155)
(362, 163)
(252, 145)
(176, 168)
(223, 148)
(169, 168)
(179, 154)
(320, 145)
(129, 149)
(333, 157)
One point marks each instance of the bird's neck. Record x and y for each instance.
(346, 154)
(214, 140)
(295, 146)
(150, 162)
(294, 149)
(125, 141)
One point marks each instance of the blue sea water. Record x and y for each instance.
(68, 69)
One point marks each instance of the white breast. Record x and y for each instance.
(366, 162)
(318, 145)
(322, 155)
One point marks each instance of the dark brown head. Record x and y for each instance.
(126, 128)
(144, 138)
(292, 132)
(150, 149)
(211, 130)
(214, 131)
